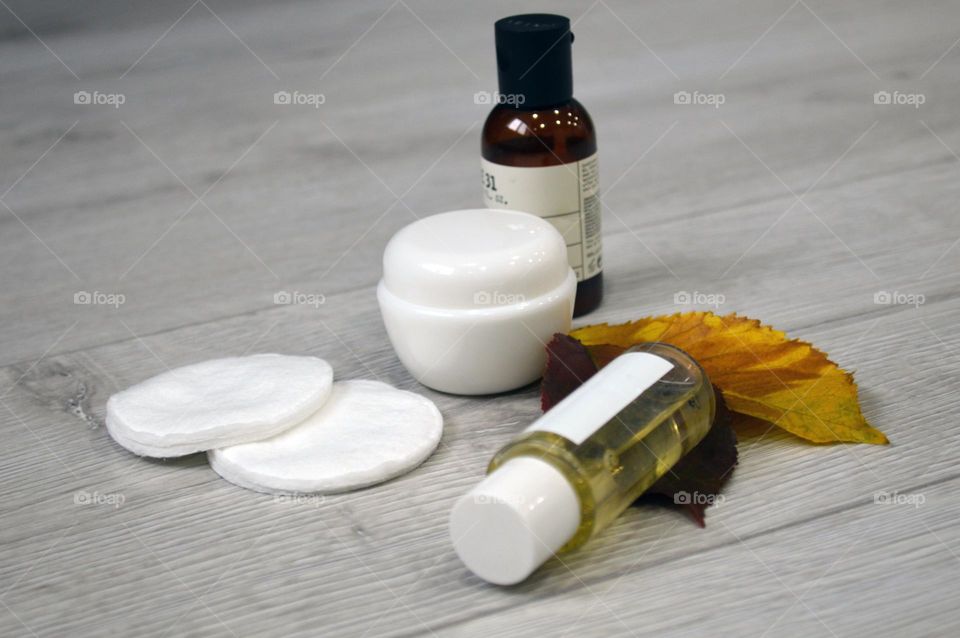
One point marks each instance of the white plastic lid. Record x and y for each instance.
(514, 520)
(467, 258)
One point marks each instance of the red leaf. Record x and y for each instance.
(568, 366)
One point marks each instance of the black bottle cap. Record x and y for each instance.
(534, 60)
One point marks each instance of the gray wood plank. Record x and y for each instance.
(287, 213)
(348, 557)
(844, 573)
(712, 207)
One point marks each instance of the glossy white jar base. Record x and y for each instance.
(477, 350)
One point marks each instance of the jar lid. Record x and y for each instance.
(475, 258)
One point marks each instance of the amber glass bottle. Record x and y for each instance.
(539, 146)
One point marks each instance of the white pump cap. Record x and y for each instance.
(514, 520)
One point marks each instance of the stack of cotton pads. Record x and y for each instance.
(278, 424)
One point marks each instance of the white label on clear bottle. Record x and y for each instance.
(603, 396)
(566, 195)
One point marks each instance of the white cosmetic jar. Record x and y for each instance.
(470, 298)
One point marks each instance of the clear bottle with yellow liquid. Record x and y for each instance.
(580, 465)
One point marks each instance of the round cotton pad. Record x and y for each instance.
(366, 432)
(218, 403)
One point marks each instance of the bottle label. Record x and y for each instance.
(567, 195)
(603, 396)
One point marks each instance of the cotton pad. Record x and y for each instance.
(218, 403)
(366, 432)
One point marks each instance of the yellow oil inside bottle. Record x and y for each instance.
(628, 453)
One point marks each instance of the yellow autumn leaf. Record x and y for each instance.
(762, 373)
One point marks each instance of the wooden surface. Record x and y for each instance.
(198, 199)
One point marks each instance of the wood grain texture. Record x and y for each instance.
(199, 198)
